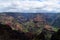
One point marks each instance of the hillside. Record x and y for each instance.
(29, 26)
(29, 21)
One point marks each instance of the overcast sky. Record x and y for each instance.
(30, 6)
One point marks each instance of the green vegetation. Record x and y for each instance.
(55, 29)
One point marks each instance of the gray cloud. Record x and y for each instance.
(27, 6)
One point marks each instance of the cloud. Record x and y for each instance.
(29, 6)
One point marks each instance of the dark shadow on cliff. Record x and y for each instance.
(56, 35)
(6, 33)
(45, 35)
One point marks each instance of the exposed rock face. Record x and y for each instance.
(48, 27)
(11, 21)
(39, 19)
